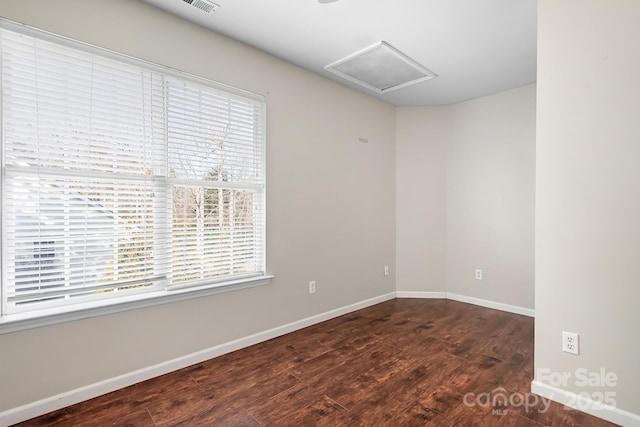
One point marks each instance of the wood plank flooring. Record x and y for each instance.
(405, 362)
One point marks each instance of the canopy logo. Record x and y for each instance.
(500, 401)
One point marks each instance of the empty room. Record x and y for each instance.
(320, 213)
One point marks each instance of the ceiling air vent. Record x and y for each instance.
(380, 68)
(203, 5)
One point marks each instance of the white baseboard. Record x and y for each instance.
(471, 300)
(589, 406)
(492, 304)
(25, 412)
(415, 294)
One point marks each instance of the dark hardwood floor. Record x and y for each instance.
(406, 362)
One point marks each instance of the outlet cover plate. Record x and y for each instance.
(570, 343)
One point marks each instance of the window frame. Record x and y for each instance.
(47, 316)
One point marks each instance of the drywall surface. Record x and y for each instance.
(587, 195)
(421, 150)
(490, 197)
(465, 176)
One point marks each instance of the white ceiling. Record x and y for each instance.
(476, 47)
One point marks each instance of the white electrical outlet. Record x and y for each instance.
(312, 287)
(570, 343)
(478, 274)
(386, 270)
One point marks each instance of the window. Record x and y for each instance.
(123, 179)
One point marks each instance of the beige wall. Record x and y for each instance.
(588, 191)
(465, 198)
(490, 197)
(330, 205)
(421, 150)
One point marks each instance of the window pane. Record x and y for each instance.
(78, 234)
(214, 233)
(71, 110)
(212, 137)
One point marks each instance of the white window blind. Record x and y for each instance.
(121, 177)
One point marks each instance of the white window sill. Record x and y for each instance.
(22, 321)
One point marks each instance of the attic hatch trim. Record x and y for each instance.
(380, 68)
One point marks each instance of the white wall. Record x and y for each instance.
(465, 198)
(588, 193)
(330, 209)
